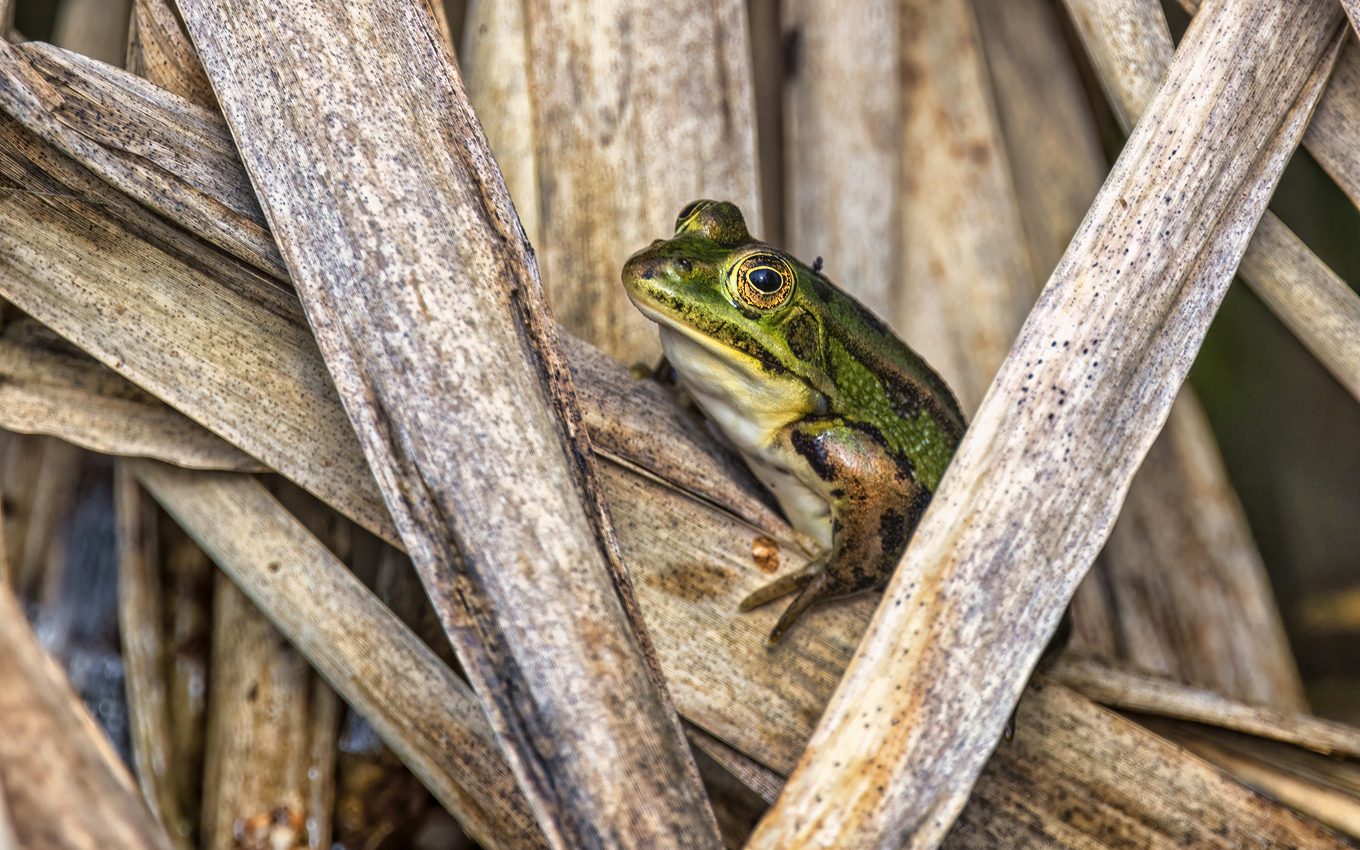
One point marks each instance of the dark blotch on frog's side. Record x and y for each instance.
(804, 336)
(892, 530)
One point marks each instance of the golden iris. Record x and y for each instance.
(763, 280)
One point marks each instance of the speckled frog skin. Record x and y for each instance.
(849, 428)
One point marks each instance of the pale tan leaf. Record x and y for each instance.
(47, 390)
(1133, 690)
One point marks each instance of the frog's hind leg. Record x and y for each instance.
(874, 503)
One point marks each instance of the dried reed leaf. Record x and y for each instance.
(425, 713)
(254, 783)
(1115, 785)
(107, 121)
(323, 750)
(160, 52)
(1055, 157)
(424, 297)
(756, 776)
(1313, 302)
(1132, 690)
(1331, 135)
(1130, 46)
(1069, 767)
(141, 629)
(8, 840)
(638, 423)
(495, 66)
(966, 281)
(1182, 588)
(51, 494)
(842, 153)
(45, 389)
(95, 28)
(773, 713)
(262, 385)
(1182, 583)
(1321, 787)
(241, 362)
(1038, 479)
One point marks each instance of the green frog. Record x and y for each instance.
(848, 428)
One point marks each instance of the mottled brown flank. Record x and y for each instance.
(814, 451)
(875, 508)
(691, 582)
(892, 531)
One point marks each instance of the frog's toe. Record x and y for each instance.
(821, 587)
(784, 585)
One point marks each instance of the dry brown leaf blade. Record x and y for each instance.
(290, 416)
(45, 390)
(616, 140)
(127, 287)
(743, 696)
(62, 783)
(1132, 690)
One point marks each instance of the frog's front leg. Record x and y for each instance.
(875, 504)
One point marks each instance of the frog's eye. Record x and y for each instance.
(689, 213)
(720, 221)
(763, 281)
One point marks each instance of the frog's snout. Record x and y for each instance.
(641, 267)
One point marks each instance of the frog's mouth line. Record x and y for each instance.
(719, 348)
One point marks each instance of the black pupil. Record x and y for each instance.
(766, 280)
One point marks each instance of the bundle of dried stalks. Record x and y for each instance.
(415, 384)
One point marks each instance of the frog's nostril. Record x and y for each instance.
(682, 265)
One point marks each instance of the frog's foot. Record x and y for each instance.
(784, 585)
(821, 587)
(815, 584)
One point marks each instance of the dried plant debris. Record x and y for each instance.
(128, 227)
